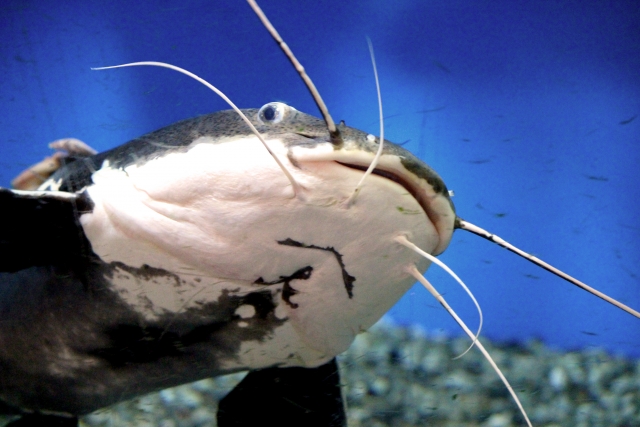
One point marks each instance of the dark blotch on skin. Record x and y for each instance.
(346, 277)
(147, 272)
(287, 291)
(139, 343)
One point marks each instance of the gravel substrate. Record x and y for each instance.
(399, 377)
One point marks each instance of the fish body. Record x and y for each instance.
(520, 165)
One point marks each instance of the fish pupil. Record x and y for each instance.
(269, 113)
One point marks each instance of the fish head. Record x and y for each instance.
(205, 196)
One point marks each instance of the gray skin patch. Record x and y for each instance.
(98, 350)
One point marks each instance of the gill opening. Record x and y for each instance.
(467, 226)
(297, 188)
(474, 338)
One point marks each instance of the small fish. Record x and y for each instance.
(629, 120)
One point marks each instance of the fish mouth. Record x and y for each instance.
(398, 179)
(437, 206)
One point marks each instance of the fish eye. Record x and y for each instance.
(273, 112)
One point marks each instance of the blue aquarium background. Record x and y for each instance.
(530, 111)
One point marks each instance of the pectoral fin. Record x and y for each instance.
(286, 397)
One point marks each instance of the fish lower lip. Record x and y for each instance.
(390, 176)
